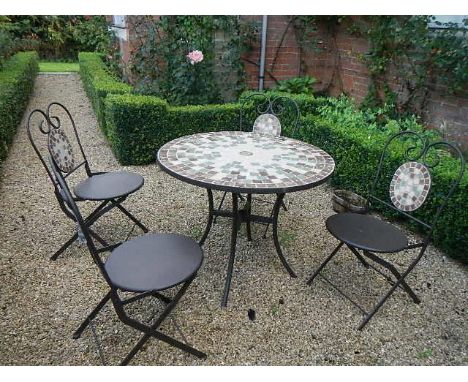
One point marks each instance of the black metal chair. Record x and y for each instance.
(144, 266)
(261, 113)
(109, 188)
(366, 235)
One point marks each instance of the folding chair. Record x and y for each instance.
(145, 266)
(410, 184)
(267, 112)
(111, 189)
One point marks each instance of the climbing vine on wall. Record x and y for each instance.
(403, 48)
(161, 65)
(406, 48)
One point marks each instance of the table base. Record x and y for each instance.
(240, 216)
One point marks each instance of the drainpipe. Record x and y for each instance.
(261, 73)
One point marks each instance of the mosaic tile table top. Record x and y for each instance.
(245, 162)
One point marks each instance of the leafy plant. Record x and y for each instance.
(298, 85)
(418, 55)
(426, 353)
(161, 65)
(287, 238)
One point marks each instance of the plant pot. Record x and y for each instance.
(347, 201)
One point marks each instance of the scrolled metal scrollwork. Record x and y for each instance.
(279, 106)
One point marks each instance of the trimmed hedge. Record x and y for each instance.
(138, 125)
(98, 83)
(16, 84)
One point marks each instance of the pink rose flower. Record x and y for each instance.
(195, 56)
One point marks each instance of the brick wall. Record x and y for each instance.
(287, 62)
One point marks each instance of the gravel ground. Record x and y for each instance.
(42, 302)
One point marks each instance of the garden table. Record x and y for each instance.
(243, 162)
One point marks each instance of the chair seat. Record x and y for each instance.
(154, 262)
(366, 232)
(109, 185)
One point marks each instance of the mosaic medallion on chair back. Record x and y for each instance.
(410, 186)
(267, 124)
(61, 150)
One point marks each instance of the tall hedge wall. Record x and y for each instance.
(136, 126)
(16, 84)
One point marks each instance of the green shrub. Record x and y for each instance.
(139, 125)
(98, 83)
(297, 85)
(356, 153)
(16, 84)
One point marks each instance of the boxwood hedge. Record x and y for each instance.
(16, 84)
(98, 82)
(136, 126)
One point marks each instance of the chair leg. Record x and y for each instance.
(400, 280)
(151, 331)
(91, 316)
(64, 247)
(395, 272)
(172, 341)
(98, 238)
(319, 269)
(130, 216)
(135, 350)
(379, 305)
(359, 256)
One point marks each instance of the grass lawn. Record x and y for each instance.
(59, 67)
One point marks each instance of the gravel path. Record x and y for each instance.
(42, 302)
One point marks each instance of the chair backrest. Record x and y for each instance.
(264, 113)
(404, 187)
(68, 200)
(54, 133)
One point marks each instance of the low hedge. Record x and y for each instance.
(138, 125)
(16, 84)
(98, 83)
(357, 152)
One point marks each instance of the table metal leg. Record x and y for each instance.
(276, 208)
(210, 217)
(235, 227)
(248, 212)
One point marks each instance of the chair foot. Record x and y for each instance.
(64, 247)
(91, 316)
(319, 269)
